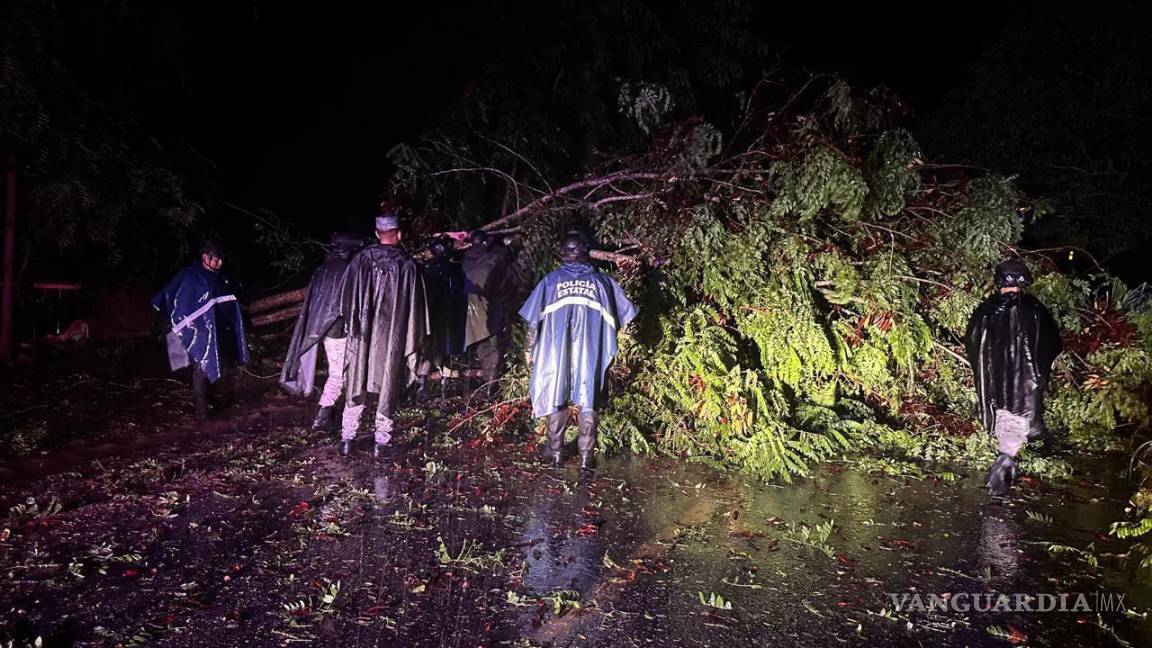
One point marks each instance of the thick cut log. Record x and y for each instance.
(277, 316)
(265, 304)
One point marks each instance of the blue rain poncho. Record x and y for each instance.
(576, 314)
(206, 326)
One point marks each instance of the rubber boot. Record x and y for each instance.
(1001, 476)
(346, 447)
(378, 450)
(587, 439)
(323, 420)
(200, 394)
(557, 421)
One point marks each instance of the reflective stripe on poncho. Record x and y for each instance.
(577, 313)
(205, 320)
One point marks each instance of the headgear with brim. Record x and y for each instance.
(212, 248)
(574, 247)
(1013, 274)
(386, 222)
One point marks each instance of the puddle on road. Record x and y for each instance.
(445, 544)
(693, 533)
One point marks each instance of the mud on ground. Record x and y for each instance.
(249, 530)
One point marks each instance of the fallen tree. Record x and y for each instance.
(804, 284)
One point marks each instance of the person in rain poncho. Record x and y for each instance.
(485, 271)
(447, 311)
(1011, 342)
(205, 326)
(574, 316)
(321, 326)
(383, 304)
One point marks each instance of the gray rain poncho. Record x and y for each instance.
(485, 271)
(319, 317)
(383, 305)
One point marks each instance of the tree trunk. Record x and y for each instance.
(276, 316)
(270, 302)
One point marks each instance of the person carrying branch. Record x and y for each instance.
(321, 326)
(1011, 342)
(574, 317)
(383, 304)
(204, 322)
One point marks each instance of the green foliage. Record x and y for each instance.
(820, 179)
(976, 233)
(714, 600)
(806, 298)
(805, 311)
(1135, 529)
(889, 172)
(815, 536)
(951, 310)
(1066, 296)
(1114, 394)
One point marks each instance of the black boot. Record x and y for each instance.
(323, 420)
(346, 447)
(587, 439)
(200, 393)
(556, 422)
(379, 449)
(1001, 476)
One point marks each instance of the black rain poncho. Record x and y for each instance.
(485, 271)
(447, 309)
(383, 304)
(319, 318)
(1011, 341)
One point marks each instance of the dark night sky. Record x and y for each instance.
(297, 105)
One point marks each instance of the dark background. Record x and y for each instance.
(296, 104)
(290, 109)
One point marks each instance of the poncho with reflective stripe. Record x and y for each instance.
(576, 313)
(206, 325)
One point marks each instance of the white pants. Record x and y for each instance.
(1011, 432)
(334, 353)
(350, 424)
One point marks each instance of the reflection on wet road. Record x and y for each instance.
(266, 537)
